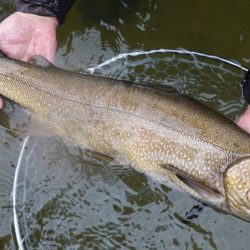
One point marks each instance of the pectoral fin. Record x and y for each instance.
(193, 186)
(99, 156)
(40, 61)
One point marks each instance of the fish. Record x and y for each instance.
(161, 133)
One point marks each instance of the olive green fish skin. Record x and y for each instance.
(162, 134)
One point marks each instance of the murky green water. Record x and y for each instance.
(77, 203)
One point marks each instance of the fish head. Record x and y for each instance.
(237, 187)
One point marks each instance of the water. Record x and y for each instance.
(74, 202)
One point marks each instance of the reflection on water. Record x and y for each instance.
(91, 37)
(70, 200)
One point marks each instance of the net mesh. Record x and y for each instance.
(66, 200)
(209, 79)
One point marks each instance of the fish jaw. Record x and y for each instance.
(237, 187)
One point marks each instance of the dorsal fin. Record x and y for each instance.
(166, 88)
(40, 61)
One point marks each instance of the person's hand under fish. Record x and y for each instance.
(244, 120)
(25, 35)
(32, 29)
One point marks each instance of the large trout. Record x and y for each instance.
(160, 133)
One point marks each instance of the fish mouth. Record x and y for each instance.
(237, 187)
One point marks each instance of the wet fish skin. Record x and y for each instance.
(163, 134)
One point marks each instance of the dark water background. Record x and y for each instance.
(77, 204)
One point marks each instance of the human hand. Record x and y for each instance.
(25, 35)
(244, 120)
